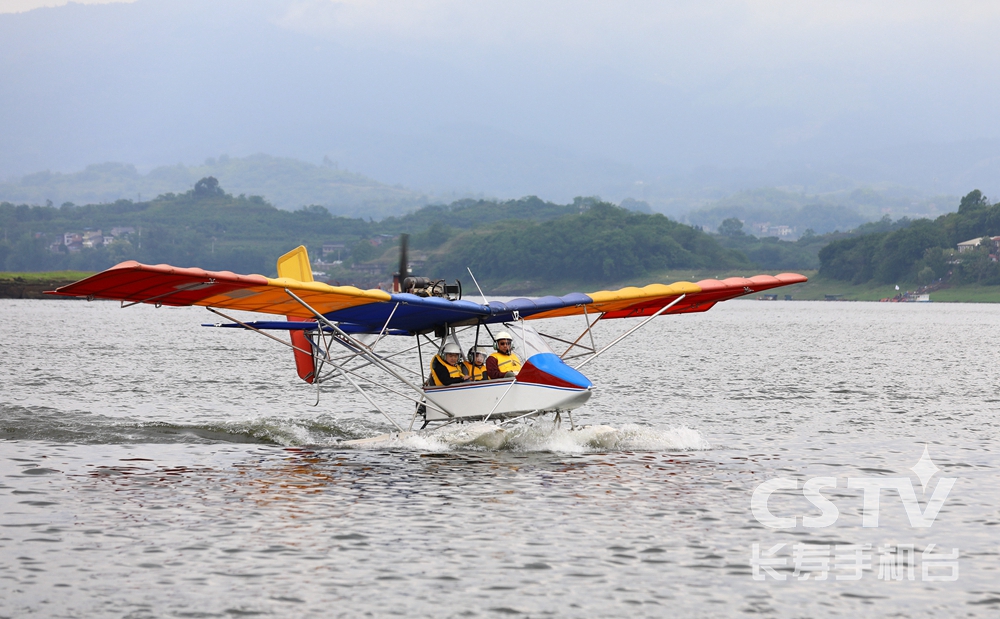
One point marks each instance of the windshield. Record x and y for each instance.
(527, 342)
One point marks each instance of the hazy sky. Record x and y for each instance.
(821, 59)
(410, 91)
(19, 6)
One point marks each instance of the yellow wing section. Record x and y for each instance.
(698, 297)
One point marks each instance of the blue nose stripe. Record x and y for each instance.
(552, 365)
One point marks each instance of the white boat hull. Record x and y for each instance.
(476, 400)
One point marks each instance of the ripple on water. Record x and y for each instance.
(165, 489)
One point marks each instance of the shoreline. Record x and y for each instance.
(17, 286)
(34, 285)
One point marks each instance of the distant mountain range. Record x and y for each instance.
(775, 212)
(286, 183)
(291, 184)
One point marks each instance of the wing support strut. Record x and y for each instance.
(576, 343)
(366, 353)
(506, 391)
(631, 331)
(354, 372)
(184, 288)
(358, 388)
(339, 367)
(246, 326)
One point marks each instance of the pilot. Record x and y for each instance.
(475, 367)
(503, 363)
(445, 368)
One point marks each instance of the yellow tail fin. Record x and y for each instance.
(295, 265)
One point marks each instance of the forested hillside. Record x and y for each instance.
(603, 243)
(923, 250)
(513, 241)
(466, 214)
(202, 227)
(772, 253)
(516, 244)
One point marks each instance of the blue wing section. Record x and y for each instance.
(503, 311)
(412, 314)
(290, 325)
(421, 314)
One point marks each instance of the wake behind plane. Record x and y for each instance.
(327, 327)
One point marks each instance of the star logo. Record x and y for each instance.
(925, 469)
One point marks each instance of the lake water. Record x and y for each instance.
(150, 467)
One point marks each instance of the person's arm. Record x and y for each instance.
(492, 369)
(520, 364)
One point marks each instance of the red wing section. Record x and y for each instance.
(711, 292)
(140, 283)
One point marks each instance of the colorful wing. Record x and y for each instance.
(163, 284)
(367, 311)
(370, 311)
(699, 297)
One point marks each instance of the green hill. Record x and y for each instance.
(506, 243)
(602, 244)
(923, 251)
(202, 227)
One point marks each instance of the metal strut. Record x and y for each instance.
(370, 401)
(575, 343)
(391, 390)
(534, 412)
(181, 288)
(630, 331)
(385, 327)
(506, 391)
(252, 328)
(365, 351)
(354, 371)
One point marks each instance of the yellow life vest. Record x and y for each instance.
(507, 363)
(453, 370)
(475, 372)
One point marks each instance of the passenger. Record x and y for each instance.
(445, 369)
(475, 367)
(503, 363)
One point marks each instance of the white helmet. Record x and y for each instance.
(478, 350)
(451, 347)
(503, 335)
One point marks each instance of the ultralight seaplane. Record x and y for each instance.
(328, 326)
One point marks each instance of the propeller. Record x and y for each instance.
(421, 286)
(404, 241)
